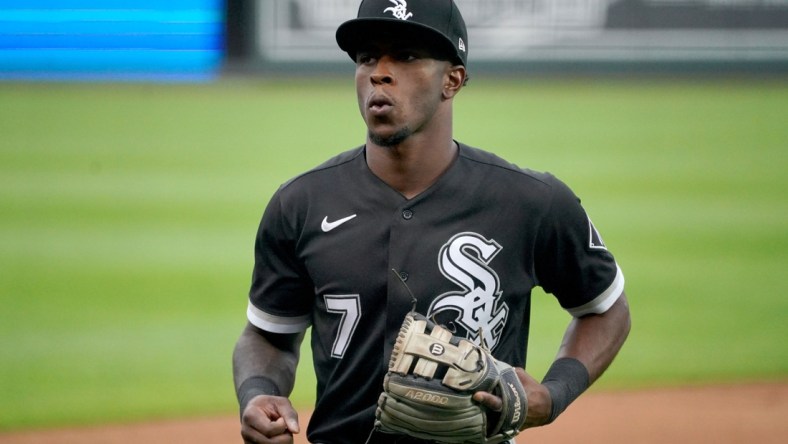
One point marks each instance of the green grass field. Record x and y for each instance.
(127, 216)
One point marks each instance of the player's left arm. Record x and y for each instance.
(590, 344)
(596, 339)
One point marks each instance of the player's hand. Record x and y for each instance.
(539, 401)
(269, 420)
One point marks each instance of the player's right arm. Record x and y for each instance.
(264, 366)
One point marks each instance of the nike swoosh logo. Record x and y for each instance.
(327, 226)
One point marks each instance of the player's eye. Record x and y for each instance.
(365, 58)
(407, 56)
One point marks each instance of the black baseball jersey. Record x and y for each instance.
(470, 249)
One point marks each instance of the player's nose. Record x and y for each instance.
(382, 74)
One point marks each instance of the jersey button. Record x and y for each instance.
(404, 276)
(407, 214)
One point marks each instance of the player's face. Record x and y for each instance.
(400, 90)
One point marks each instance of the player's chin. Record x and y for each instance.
(388, 137)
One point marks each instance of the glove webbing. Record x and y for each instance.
(465, 362)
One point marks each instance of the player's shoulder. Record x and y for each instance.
(333, 165)
(491, 163)
(526, 183)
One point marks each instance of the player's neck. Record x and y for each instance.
(412, 166)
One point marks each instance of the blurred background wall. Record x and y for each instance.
(533, 36)
(201, 39)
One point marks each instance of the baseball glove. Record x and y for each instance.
(428, 389)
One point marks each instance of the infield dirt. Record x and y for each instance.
(755, 413)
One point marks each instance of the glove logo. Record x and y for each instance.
(518, 406)
(437, 349)
(465, 260)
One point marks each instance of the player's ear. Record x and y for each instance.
(455, 79)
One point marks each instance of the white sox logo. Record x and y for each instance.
(464, 260)
(399, 11)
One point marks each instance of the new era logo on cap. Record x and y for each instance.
(438, 21)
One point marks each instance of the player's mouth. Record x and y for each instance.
(378, 105)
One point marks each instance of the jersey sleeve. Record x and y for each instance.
(572, 261)
(281, 296)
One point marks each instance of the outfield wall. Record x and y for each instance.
(188, 40)
(543, 34)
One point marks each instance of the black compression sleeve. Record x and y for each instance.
(256, 385)
(566, 379)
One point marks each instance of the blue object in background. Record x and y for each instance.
(156, 40)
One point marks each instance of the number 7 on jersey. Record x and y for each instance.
(349, 306)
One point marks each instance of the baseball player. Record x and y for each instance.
(468, 234)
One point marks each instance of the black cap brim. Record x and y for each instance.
(354, 34)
